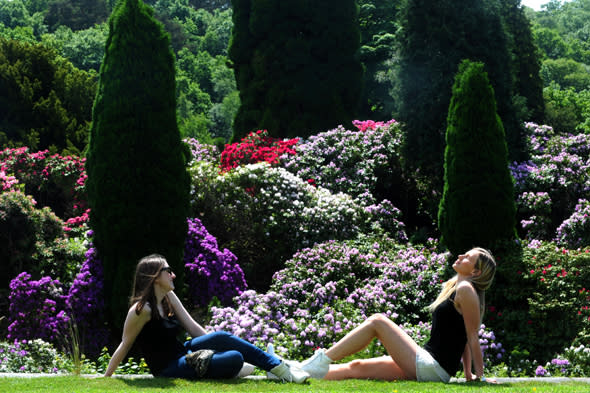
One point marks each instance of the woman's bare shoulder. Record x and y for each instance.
(465, 288)
(145, 312)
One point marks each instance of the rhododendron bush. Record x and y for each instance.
(254, 209)
(295, 242)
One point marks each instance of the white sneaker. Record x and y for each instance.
(270, 349)
(318, 365)
(288, 373)
(246, 370)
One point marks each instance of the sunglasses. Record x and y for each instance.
(167, 269)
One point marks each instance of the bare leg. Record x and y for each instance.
(382, 368)
(398, 344)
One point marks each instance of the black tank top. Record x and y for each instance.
(447, 337)
(159, 343)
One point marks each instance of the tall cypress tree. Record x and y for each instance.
(138, 186)
(296, 65)
(477, 207)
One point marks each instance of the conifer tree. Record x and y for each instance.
(527, 60)
(435, 36)
(296, 65)
(137, 180)
(477, 206)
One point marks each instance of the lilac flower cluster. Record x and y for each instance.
(325, 291)
(493, 352)
(351, 162)
(557, 367)
(210, 272)
(202, 151)
(28, 356)
(36, 309)
(550, 184)
(574, 232)
(541, 371)
(85, 301)
(387, 216)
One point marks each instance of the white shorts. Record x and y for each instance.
(428, 369)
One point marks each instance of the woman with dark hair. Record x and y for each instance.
(155, 319)
(456, 319)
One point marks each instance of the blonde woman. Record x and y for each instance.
(457, 314)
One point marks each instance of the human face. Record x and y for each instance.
(166, 278)
(465, 263)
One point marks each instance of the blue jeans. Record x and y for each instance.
(231, 353)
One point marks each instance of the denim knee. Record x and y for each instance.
(225, 365)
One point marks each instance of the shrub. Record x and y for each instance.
(53, 180)
(201, 151)
(29, 356)
(325, 291)
(253, 209)
(8, 182)
(493, 351)
(555, 178)
(364, 163)
(85, 303)
(27, 237)
(551, 303)
(36, 309)
(574, 232)
(210, 272)
(255, 147)
(579, 359)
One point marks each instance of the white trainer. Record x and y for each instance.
(246, 370)
(318, 365)
(288, 373)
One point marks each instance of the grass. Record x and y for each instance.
(74, 384)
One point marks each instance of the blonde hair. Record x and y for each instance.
(486, 264)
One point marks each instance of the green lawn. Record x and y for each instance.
(73, 384)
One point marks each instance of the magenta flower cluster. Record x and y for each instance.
(54, 180)
(210, 272)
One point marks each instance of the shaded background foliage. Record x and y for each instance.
(207, 100)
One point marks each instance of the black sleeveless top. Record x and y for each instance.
(159, 343)
(447, 336)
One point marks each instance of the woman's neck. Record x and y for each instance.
(160, 294)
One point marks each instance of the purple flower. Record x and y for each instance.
(210, 272)
(540, 371)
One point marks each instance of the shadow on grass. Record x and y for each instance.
(160, 382)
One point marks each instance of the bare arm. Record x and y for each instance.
(469, 304)
(133, 325)
(467, 363)
(185, 319)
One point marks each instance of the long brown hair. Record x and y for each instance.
(147, 271)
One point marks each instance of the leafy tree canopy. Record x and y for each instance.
(45, 102)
